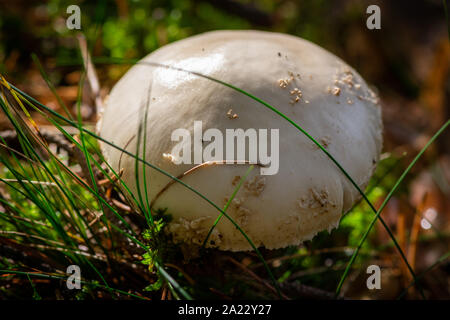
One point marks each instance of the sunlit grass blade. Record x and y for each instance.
(50, 85)
(28, 145)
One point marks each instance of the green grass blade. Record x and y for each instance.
(48, 276)
(54, 113)
(422, 274)
(388, 197)
(228, 204)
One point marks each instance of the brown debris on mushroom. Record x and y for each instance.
(232, 115)
(345, 79)
(297, 93)
(195, 230)
(235, 180)
(283, 83)
(255, 186)
(169, 157)
(336, 91)
(325, 141)
(241, 213)
(316, 199)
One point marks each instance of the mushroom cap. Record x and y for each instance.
(307, 195)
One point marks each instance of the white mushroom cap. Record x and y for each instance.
(308, 194)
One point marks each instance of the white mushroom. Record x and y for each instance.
(308, 194)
